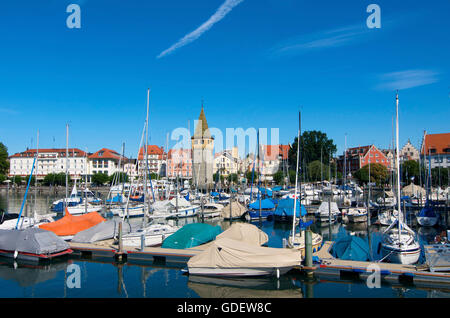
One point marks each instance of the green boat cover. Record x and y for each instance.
(192, 235)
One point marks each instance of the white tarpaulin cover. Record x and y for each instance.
(414, 190)
(228, 253)
(237, 210)
(246, 233)
(323, 208)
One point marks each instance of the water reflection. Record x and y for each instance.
(212, 287)
(104, 279)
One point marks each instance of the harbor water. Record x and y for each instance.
(103, 278)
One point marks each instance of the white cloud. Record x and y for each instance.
(223, 10)
(320, 40)
(407, 79)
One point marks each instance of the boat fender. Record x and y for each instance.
(379, 248)
(15, 254)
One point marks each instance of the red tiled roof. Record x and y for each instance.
(61, 151)
(439, 142)
(105, 153)
(272, 152)
(151, 150)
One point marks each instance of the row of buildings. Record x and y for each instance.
(434, 149)
(200, 163)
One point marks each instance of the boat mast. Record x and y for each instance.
(35, 179)
(145, 158)
(398, 169)
(296, 180)
(67, 166)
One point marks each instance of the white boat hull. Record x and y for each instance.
(427, 221)
(401, 257)
(76, 210)
(239, 272)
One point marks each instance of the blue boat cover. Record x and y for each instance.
(351, 248)
(116, 199)
(427, 211)
(187, 197)
(266, 204)
(265, 191)
(286, 207)
(192, 235)
(60, 206)
(276, 189)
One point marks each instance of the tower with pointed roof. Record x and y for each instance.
(202, 144)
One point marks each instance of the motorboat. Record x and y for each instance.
(356, 214)
(299, 242)
(83, 208)
(151, 235)
(8, 221)
(174, 208)
(212, 210)
(132, 210)
(326, 213)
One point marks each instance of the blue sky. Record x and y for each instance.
(255, 63)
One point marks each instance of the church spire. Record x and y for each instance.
(202, 130)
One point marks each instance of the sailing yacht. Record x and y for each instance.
(399, 245)
(297, 240)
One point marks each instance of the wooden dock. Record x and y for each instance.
(328, 266)
(107, 249)
(416, 274)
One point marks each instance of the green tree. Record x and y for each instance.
(439, 177)
(119, 177)
(410, 169)
(32, 182)
(55, 179)
(233, 178)
(292, 177)
(16, 180)
(313, 144)
(154, 176)
(278, 177)
(99, 178)
(316, 173)
(378, 174)
(248, 176)
(4, 163)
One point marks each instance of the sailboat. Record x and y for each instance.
(297, 240)
(399, 245)
(151, 233)
(9, 221)
(427, 215)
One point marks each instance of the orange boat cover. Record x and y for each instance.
(72, 224)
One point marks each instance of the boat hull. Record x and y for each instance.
(406, 257)
(21, 256)
(427, 221)
(239, 272)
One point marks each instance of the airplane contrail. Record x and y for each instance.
(223, 10)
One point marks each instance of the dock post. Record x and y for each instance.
(120, 242)
(308, 252)
(142, 242)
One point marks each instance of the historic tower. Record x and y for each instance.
(202, 154)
